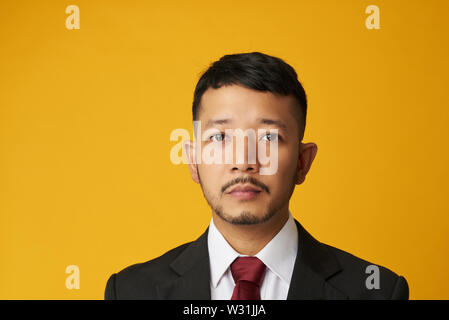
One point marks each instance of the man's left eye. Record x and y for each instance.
(269, 137)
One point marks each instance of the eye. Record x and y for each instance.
(270, 137)
(218, 137)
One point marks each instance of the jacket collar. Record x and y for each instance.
(314, 265)
(192, 267)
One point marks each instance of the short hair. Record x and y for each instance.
(256, 71)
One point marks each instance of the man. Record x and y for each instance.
(253, 247)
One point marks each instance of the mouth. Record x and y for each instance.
(244, 192)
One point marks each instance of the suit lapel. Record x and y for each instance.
(193, 269)
(314, 264)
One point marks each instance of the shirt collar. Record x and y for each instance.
(278, 255)
(221, 254)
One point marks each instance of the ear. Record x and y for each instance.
(189, 148)
(307, 153)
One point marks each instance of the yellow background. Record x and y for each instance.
(86, 116)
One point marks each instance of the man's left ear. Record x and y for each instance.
(307, 153)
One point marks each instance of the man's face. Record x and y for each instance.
(237, 192)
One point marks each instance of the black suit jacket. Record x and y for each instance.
(320, 272)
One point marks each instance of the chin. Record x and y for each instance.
(245, 217)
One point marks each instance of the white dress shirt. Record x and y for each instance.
(278, 255)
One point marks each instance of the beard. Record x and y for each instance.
(245, 217)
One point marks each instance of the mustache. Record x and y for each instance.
(251, 180)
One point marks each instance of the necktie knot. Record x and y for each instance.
(248, 269)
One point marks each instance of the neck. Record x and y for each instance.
(250, 239)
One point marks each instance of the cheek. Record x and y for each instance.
(287, 160)
(210, 175)
(287, 168)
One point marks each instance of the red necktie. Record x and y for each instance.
(248, 273)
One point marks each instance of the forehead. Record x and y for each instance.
(244, 105)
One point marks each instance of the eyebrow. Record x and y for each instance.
(267, 121)
(273, 122)
(211, 122)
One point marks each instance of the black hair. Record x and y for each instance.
(256, 71)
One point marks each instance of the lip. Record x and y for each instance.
(244, 192)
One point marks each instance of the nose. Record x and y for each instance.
(245, 154)
(245, 168)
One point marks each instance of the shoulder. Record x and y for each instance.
(138, 281)
(362, 279)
